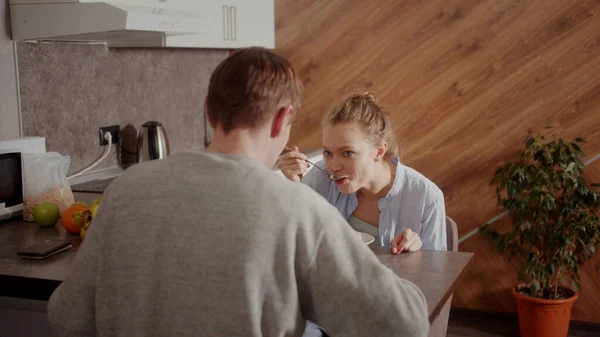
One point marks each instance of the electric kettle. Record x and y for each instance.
(152, 142)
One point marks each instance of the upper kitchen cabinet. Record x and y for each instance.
(252, 23)
(147, 23)
(234, 24)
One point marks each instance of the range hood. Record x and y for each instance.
(100, 21)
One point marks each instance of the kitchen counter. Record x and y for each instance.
(93, 186)
(34, 279)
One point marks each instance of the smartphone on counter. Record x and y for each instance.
(45, 249)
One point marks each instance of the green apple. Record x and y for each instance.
(46, 214)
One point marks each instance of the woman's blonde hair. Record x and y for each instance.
(364, 108)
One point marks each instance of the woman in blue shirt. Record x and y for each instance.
(378, 195)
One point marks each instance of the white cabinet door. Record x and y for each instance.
(233, 24)
(207, 13)
(227, 23)
(212, 15)
(251, 23)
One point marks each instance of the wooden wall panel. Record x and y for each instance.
(486, 284)
(592, 170)
(587, 307)
(465, 81)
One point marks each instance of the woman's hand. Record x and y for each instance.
(407, 241)
(293, 164)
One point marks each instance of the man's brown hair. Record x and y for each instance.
(248, 87)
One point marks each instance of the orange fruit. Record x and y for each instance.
(69, 221)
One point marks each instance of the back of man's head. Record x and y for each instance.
(249, 87)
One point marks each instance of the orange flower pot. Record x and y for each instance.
(544, 318)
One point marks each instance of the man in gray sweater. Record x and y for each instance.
(216, 244)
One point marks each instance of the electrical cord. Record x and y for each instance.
(124, 150)
(107, 147)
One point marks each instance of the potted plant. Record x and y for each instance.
(555, 228)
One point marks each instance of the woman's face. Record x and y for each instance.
(349, 153)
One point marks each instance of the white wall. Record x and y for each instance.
(316, 156)
(10, 124)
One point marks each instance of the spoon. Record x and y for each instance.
(330, 176)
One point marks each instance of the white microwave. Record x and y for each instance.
(11, 172)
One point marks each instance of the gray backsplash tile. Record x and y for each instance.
(68, 91)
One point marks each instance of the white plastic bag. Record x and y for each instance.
(45, 179)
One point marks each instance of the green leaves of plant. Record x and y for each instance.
(554, 213)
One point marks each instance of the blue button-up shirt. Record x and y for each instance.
(413, 202)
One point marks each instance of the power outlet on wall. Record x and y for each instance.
(114, 132)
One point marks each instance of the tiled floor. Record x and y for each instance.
(465, 323)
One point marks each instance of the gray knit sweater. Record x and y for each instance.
(204, 244)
